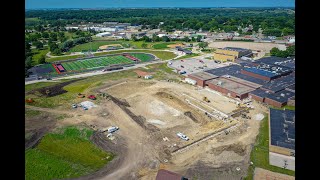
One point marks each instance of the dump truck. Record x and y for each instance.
(206, 99)
(30, 100)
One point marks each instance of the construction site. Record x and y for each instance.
(151, 113)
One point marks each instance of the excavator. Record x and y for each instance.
(206, 99)
(81, 95)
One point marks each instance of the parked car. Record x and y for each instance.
(113, 129)
(182, 136)
(74, 106)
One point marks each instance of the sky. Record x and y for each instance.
(34, 4)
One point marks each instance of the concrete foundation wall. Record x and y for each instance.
(257, 98)
(274, 103)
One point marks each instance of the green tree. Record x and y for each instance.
(42, 59)
(45, 35)
(165, 39)
(291, 50)
(144, 45)
(274, 51)
(38, 44)
(199, 37)
(134, 37)
(203, 45)
(57, 52)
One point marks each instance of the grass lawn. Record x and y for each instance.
(65, 154)
(286, 107)
(188, 56)
(162, 45)
(94, 45)
(61, 58)
(260, 152)
(30, 87)
(37, 54)
(137, 44)
(31, 113)
(83, 86)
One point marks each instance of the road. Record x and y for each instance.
(94, 73)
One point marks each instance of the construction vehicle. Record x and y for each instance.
(92, 97)
(206, 99)
(30, 100)
(81, 95)
(48, 92)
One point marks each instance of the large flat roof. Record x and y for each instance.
(282, 128)
(281, 96)
(261, 72)
(243, 81)
(227, 70)
(203, 76)
(231, 86)
(281, 62)
(280, 83)
(235, 70)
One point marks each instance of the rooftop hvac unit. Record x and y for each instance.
(282, 94)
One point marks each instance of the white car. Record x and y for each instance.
(182, 136)
(113, 129)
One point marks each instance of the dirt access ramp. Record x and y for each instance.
(263, 174)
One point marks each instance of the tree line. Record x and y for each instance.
(271, 20)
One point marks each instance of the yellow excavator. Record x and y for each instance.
(206, 99)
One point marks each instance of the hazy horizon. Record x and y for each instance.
(101, 4)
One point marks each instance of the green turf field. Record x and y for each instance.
(142, 57)
(95, 63)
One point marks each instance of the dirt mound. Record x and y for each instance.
(239, 149)
(51, 90)
(174, 45)
(189, 114)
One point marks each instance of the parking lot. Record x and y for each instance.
(193, 65)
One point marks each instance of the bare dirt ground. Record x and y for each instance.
(36, 128)
(106, 46)
(263, 47)
(146, 111)
(262, 174)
